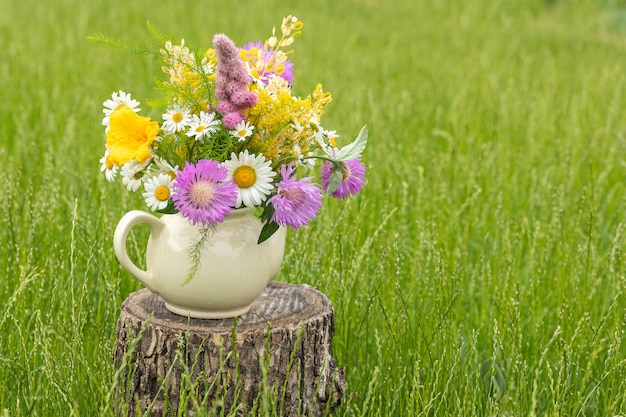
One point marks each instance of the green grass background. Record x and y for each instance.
(481, 270)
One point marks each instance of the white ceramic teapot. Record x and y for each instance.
(232, 273)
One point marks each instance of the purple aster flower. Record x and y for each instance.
(296, 202)
(267, 57)
(353, 176)
(200, 193)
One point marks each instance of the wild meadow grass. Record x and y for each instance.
(480, 272)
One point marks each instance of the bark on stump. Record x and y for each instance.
(276, 357)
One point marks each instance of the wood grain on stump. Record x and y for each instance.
(276, 357)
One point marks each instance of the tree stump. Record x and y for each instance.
(274, 360)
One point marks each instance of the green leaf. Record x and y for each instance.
(268, 212)
(169, 209)
(334, 181)
(354, 150)
(268, 230)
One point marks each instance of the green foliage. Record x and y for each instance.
(480, 272)
(195, 252)
(106, 40)
(178, 151)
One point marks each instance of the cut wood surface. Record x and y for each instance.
(276, 357)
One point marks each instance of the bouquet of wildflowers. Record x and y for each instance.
(232, 135)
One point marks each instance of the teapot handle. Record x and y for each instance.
(120, 237)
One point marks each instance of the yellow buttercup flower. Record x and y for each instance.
(129, 136)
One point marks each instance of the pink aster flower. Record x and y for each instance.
(200, 193)
(268, 57)
(296, 202)
(353, 176)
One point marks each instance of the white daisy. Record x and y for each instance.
(176, 119)
(324, 141)
(117, 99)
(242, 131)
(134, 173)
(158, 190)
(165, 167)
(302, 160)
(318, 135)
(332, 136)
(253, 176)
(254, 75)
(110, 172)
(203, 125)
